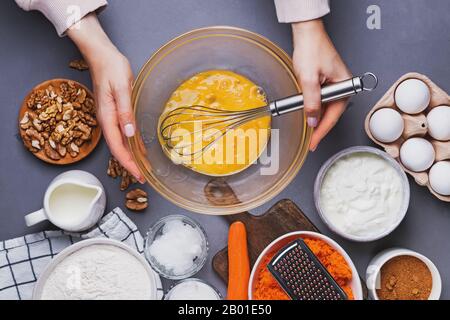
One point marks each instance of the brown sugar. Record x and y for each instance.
(405, 278)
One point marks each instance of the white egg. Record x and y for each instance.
(439, 123)
(440, 178)
(386, 125)
(412, 96)
(417, 154)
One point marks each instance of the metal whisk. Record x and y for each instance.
(224, 120)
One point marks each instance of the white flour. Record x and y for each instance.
(98, 272)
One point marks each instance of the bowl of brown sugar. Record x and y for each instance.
(402, 274)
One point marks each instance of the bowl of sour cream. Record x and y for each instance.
(362, 194)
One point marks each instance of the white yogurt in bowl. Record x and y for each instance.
(362, 194)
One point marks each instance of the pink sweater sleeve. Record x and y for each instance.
(289, 11)
(63, 13)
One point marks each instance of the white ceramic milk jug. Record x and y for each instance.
(74, 201)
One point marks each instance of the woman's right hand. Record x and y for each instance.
(112, 79)
(317, 62)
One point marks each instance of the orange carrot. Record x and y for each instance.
(238, 262)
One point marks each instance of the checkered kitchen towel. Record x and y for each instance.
(24, 258)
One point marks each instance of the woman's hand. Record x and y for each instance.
(317, 62)
(112, 79)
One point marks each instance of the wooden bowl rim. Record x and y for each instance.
(85, 150)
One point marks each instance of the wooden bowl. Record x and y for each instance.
(85, 149)
(415, 126)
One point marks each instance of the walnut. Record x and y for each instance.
(35, 136)
(77, 135)
(56, 136)
(87, 119)
(25, 126)
(68, 114)
(137, 200)
(60, 127)
(126, 180)
(64, 116)
(67, 138)
(29, 144)
(50, 152)
(89, 106)
(52, 122)
(76, 105)
(73, 150)
(81, 96)
(67, 106)
(67, 133)
(44, 116)
(50, 112)
(25, 119)
(114, 168)
(79, 142)
(37, 124)
(62, 150)
(35, 144)
(33, 140)
(33, 120)
(25, 122)
(37, 100)
(59, 106)
(79, 65)
(85, 129)
(52, 143)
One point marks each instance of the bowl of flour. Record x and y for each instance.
(97, 269)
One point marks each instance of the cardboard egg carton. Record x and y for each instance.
(415, 126)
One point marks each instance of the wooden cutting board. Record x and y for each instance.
(284, 217)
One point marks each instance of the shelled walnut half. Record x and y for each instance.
(115, 170)
(79, 64)
(137, 200)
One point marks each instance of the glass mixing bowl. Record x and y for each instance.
(243, 52)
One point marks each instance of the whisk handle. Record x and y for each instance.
(333, 92)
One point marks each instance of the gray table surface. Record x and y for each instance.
(414, 37)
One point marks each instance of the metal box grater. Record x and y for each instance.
(301, 274)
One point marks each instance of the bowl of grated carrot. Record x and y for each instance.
(263, 286)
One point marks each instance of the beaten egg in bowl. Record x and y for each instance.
(204, 144)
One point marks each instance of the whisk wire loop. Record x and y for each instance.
(213, 124)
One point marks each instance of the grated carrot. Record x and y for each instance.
(267, 288)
